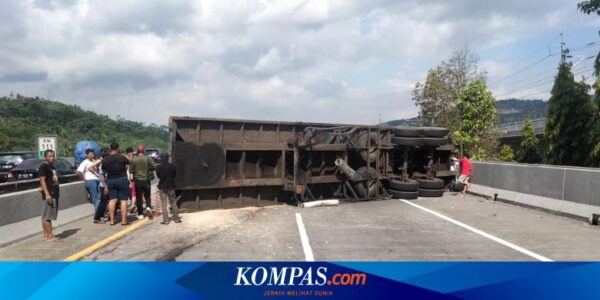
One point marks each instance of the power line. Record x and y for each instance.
(527, 57)
(541, 83)
(527, 75)
(519, 85)
(523, 69)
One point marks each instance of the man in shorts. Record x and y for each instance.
(115, 166)
(50, 194)
(465, 172)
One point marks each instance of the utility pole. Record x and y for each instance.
(564, 51)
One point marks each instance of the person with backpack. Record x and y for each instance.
(142, 167)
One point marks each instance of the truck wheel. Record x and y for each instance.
(432, 184)
(365, 139)
(407, 141)
(404, 195)
(407, 131)
(458, 186)
(431, 193)
(429, 141)
(405, 186)
(368, 188)
(435, 131)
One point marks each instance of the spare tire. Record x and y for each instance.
(458, 186)
(432, 184)
(435, 131)
(404, 195)
(431, 193)
(407, 131)
(365, 139)
(430, 141)
(367, 188)
(407, 141)
(406, 186)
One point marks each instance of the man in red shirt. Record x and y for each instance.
(465, 172)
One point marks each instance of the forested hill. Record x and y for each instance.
(516, 110)
(507, 111)
(23, 118)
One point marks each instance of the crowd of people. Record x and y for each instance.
(115, 182)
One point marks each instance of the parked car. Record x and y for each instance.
(154, 153)
(9, 160)
(28, 169)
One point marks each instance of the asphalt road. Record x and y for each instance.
(428, 229)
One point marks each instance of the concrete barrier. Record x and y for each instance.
(23, 205)
(568, 190)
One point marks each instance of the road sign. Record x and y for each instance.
(47, 142)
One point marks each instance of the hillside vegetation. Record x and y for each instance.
(23, 118)
(507, 111)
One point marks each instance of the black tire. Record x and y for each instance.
(431, 184)
(404, 195)
(405, 186)
(407, 131)
(363, 141)
(435, 131)
(429, 141)
(407, 141)
(367, 188)
(431, 193)
(458, 186)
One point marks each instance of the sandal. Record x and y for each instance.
(164, 222)
(177, 221)
(99, 221)
(125, 224)
(113, 223)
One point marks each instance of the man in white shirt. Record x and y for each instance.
(92, 178)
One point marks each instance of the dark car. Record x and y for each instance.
(9, 160)
(154, 153)
(28, 169)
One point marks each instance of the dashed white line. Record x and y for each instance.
(308, 254)
(482, 233)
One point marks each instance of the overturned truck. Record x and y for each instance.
(225, 163)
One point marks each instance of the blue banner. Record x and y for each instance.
(300, 280)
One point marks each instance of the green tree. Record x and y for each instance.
(595, 134)
(437, 96)
(528, 150)
(477, 111)
(27, 117)
(569, 120)
(3, 136)
(506, 153)
(588, 7)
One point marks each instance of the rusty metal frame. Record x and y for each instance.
(257, 159)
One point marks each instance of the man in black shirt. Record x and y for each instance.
(166, 187)
(115, 166)
(50, 193)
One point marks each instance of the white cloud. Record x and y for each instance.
(312, 60)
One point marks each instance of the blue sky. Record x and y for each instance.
(293, 60)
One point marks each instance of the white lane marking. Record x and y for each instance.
(482, 233)
(304, 238)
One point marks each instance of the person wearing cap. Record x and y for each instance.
(141, 167)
